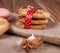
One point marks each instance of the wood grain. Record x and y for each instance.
(6, 4)
(1, 3)
(53, 6)
(18, 3)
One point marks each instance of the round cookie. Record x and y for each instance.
(44, 21)
(4, 13)
(39, 18)
(37, 15)
(4, 25)
(21, 25)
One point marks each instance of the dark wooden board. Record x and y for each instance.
(53, 6)
(6, 4)
(18, 3)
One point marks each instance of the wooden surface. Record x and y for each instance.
(8, 45)
(6, 4)
(53, 6)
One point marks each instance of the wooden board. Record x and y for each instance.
(8, 45)
(53, 6)
(6, 4)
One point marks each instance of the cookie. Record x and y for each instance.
(38, 14)
(43, 21)
(21, 25)
(4, 25)
(4, 13)
(39, 18)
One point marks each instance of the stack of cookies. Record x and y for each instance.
(39, 18)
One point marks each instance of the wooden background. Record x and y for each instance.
(53, 6)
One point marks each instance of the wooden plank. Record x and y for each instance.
(19, 3)
(6, 4)
(53, 6)
(1, 3)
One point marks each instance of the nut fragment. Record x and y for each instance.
(27, 44)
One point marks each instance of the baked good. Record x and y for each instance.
(4, 13)
(34, 21)
(4, 25)
(21, 25)
(32, 18)
(38, 14)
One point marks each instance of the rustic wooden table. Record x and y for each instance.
(8, 45)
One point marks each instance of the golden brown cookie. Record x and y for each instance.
(42, 21)
(39, 18)
(4, 25)
(38, 14)
(21, 25)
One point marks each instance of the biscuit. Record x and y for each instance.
(43, 21)
(38, 14)
(21, 25)
(39, 18)
(4, 25)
